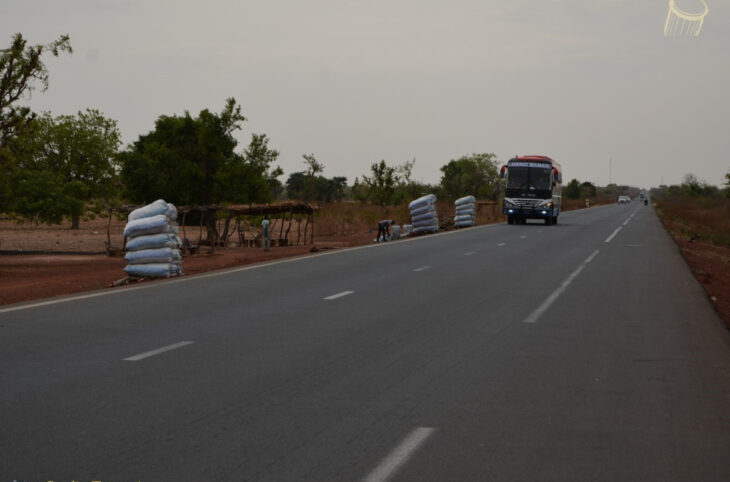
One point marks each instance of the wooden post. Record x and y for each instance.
(312, 216)
(306, 228)
(281, 228)
(185, 236)
(200, 233)
(108, 232)
(288, 227)
(299, 230)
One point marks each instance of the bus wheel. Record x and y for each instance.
(548, 221)
(555, 220)
(510, 219)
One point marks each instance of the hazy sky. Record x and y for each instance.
(353, 82)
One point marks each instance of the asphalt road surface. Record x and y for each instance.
(582, 351)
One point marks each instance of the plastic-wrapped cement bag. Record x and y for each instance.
(464, 218)
(465, 200)
(151, 225)
(466, 208)
(423, 214)
(153, 241)
(422, 217)
(422, 201)
(154, 270)
(426, 229)
(461, 211)
(146, 256)
(423, 210)
(154, 209)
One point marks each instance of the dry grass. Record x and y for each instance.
(697, 218)
(571, 204)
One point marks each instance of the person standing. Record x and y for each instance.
(265, 237)
(384, 229)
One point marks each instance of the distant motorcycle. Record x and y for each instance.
(646, 202)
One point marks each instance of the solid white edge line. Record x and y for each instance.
(338, 295)
(400, 455)
(535, 315)
(184, 279)
(422, 268)
(608, 239)
(150, 353)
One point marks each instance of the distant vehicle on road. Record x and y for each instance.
(533, 185)
(624, 200)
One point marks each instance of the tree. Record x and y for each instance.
(325, 190)
(572, 190)
(179, 160)
(588, 189)
(727, 184)
(192, 160)
(21, 68)
(296, 185)
(252, 177)
(382, 183)
(78, 154)
(314, 167)
(475, 175)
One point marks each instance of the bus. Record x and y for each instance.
(532, 189)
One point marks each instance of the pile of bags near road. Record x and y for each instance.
(466, 210)
(153, 247)
(423, 214)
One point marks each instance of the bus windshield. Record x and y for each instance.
(532, 178)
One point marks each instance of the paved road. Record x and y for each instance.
(583, 351)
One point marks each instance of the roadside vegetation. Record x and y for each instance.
(697, 215)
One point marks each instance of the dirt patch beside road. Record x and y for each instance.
(691, 229)
(30, 277)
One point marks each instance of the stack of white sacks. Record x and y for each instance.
(423, 214)
(466, 210)
(153, 247)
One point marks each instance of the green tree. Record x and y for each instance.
(325, 190)
(588, 189)
(727, 184)
(251, 178)
(296, 185)
(78, 152)
(21, 66)
(314, 167)
(381, 185)
(21, 69)
(475, 174)
(572, 190)
(192, 160)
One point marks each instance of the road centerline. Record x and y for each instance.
(535, 315)
(469, 253)
(400, 455)
(501, 244)
(608, 239)
(338, 295)
(422, 268)
(157, 351)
